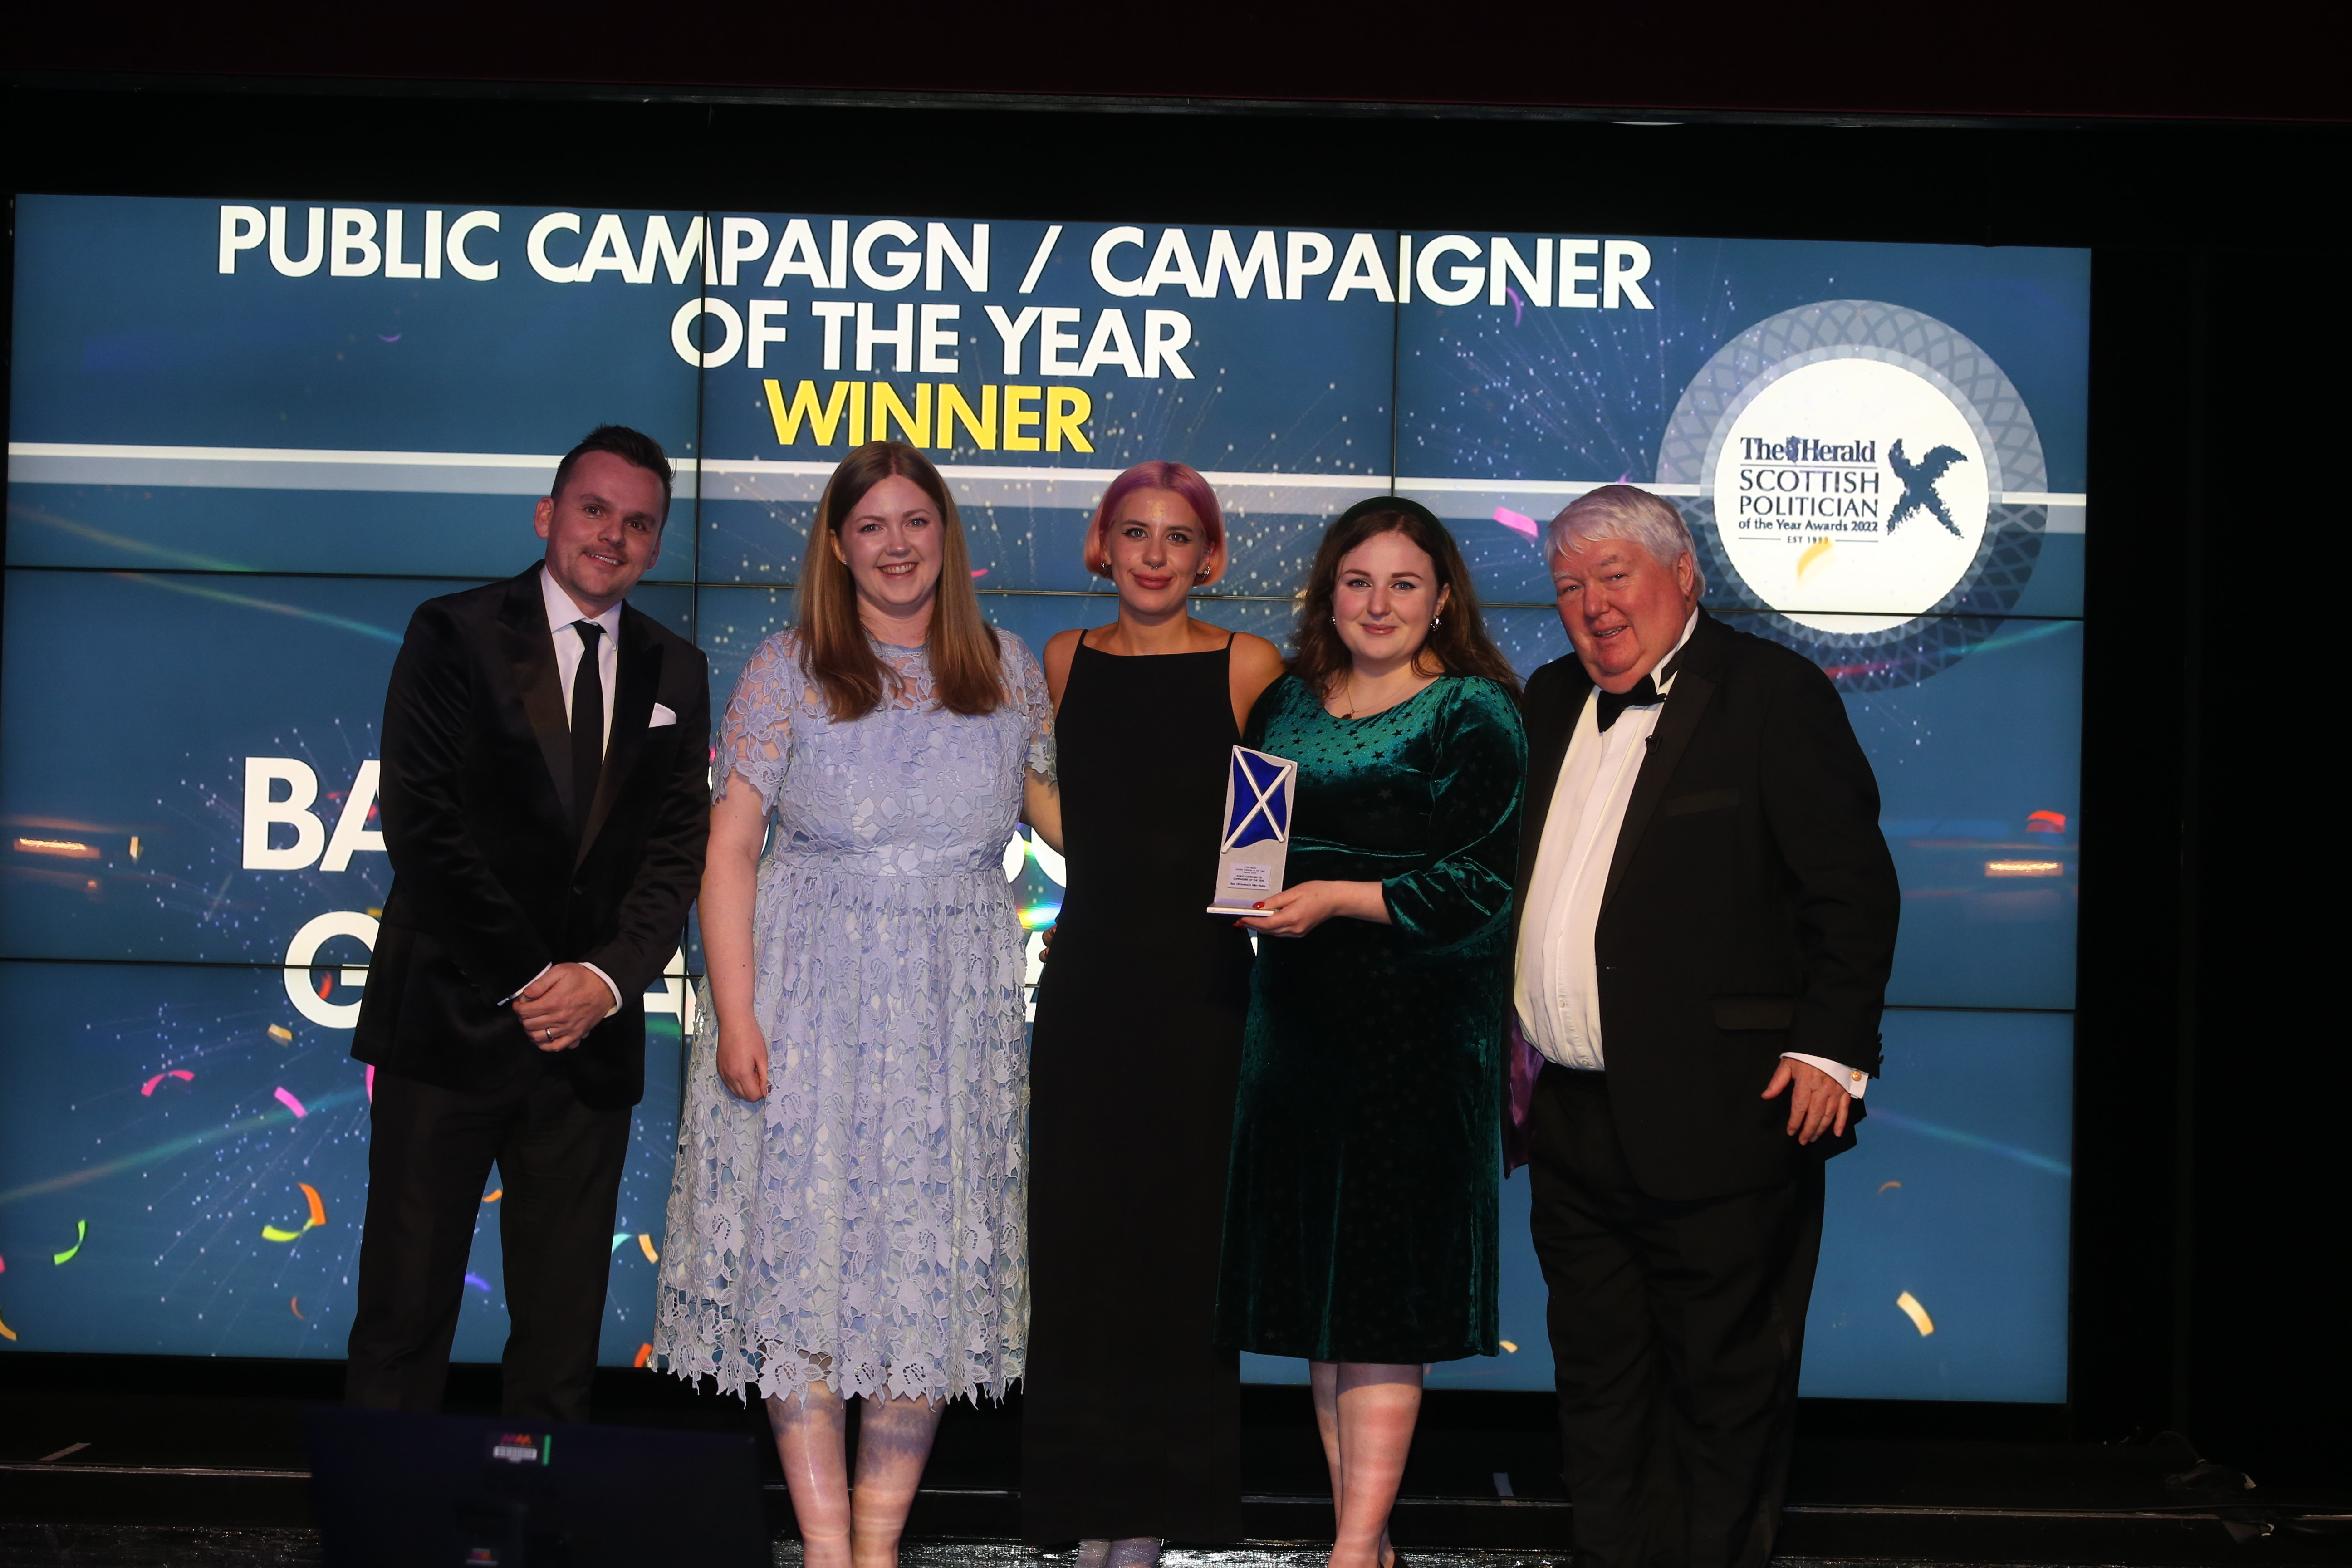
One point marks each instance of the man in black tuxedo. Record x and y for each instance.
(545, 803)
(1706, 919)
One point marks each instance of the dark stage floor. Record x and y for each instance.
(138, 1462)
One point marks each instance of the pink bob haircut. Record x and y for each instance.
(1178, 479)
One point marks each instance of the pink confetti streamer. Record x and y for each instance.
(183, 1074)
(1518, 307)
(980, 571)
(1518, 522)
(292, 1104)
(371, 1083)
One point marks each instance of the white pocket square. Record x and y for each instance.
(662, 715)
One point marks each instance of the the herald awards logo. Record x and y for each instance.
(1850, 495)
(1865, 477)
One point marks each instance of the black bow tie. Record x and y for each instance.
(1644, 695)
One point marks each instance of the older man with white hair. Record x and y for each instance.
(1705, 924)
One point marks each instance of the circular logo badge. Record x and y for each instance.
(1851, 461)
(1850, 495)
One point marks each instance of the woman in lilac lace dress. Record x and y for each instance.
(848, 1217)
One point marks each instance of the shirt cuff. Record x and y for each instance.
(1855, 1082)
(591, 968)
(508, 1001)
(616, 992)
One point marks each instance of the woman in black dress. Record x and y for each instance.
(1130, 1415)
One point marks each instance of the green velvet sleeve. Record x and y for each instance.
(1477, 771)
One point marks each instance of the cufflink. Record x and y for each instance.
(1855, 1076)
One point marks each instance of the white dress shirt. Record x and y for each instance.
(1558, 995)
(562, 618)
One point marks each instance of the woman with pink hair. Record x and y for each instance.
(1131, 1417)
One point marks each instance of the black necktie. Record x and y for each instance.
(587, 723)
(1644, 695)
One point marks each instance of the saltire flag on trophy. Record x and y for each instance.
(1257, 835)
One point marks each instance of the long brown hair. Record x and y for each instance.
(836, 651)
(1458, 645)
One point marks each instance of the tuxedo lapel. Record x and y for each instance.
(530, 650)
(1547, 754)
(1694, 689)
(639, 676)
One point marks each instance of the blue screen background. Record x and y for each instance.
(227, 493)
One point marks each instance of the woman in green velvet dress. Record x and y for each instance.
(1361, 1210)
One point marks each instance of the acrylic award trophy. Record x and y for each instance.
(1257, 834)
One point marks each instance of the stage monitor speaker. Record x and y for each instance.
(408, 1491)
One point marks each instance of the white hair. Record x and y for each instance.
(1622, 512)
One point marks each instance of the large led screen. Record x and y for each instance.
(248, 435)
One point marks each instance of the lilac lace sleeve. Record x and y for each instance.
(1025, 679)
(755, 738)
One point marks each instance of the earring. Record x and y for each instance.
(1433, 621)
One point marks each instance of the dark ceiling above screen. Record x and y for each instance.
(1848, 63)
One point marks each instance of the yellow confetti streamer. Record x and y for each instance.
(1812, 557)
(1509, 1347)
(1916, 1313)
(317, 1218)
(281, 1032)
(8, 1333)
(646, 1245)
(1882, 1187)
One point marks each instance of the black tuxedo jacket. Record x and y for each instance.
(1750, 909)
(491, 881)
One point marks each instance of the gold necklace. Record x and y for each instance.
(1348, 695)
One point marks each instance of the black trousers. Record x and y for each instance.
(430, 1151)
(1676, 1332)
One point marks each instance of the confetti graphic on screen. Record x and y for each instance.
(183, 1124)
(202, 1215)
(191, 1140)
